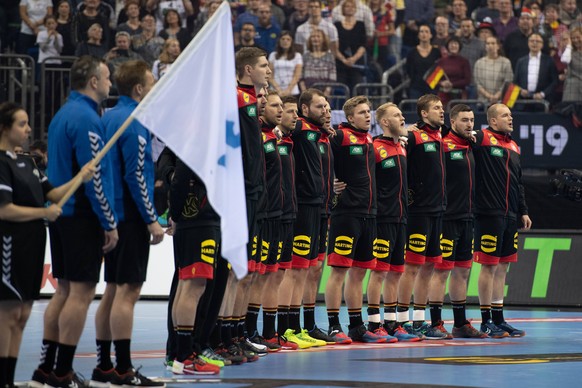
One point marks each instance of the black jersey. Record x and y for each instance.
(285, 148)
(498, 187)
(391, 180)
(272, 172)
(327, 173)
(460, 164)
(308, 174)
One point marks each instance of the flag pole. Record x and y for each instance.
(78, 179)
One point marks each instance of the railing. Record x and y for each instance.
(397, 68)
(336, 92)
(377, 93)
(17, 74)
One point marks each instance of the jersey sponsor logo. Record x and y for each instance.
(307, 126)
(322, 149)
(417, 242)
(301, 245)
(388, 163)
(208, 251)
(515, 240)
(343, 245)
(423, 136)
(451, 146)
(488, 243)
(269, 147)
(496, 151)
(252, 111)
(430, 147)
(493, 140)
(353, 139)
(311, 136)
(283, 150)
(456, 155)
(20, 164)
(356, 150)
(446, 247)
(381, 248)
(383, 153)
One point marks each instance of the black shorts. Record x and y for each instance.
(257, 247)
(305, 234)
(456, 244)
(351, 241)
(23, 250)
(128, 262)
(495, 240)
(286, 234)
(271, 243)
(423, 236)
(389, 247)
(323, 235)
(253, 231)
(76, 248)
(197, 250)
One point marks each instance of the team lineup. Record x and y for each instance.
(413, 206)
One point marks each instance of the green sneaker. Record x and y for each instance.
(292, 337)
(210, 357)
(304, 335)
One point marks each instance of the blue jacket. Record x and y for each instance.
(133, 166)
(75, 136)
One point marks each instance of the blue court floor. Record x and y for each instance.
(550, 355)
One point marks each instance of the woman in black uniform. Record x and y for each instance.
(23, 192)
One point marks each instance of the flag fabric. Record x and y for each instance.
(193, 110)
(433, 76)
(510, 94)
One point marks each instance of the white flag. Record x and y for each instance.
(193, 109)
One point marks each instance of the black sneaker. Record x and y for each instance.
(236, 358)
(257, 339)
(101, 378)
(319, 334)
(250, 355)
(361, 334)
(39, 378)
(70, 380)
(492, 330)
(246, 345)
(132, 378)
(512, 331)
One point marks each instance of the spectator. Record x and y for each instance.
(573, 57)
(168, 56)
(147, 44)
(363, 14)
(93, 46)
(490, 11)
(299, 16)
(506, 23)
(50, 42)
(121, 10)
(485, 30)
(161, 7)
(556, 54)
(458, 14)
(39, 153)
(492, 72)
(569, 12)
(350, 59)
(315, 21)
(251, 15)
(64, 27)
(90, 13)
(552, 28)
(103, 7)
(457, 70)
(537, 14)
(9, 25)
(267, 32)
(132, 26)
(173, 29)
(205, 14)
(536, 73)
(419, 61)
(247, 36)
(416, 13)
(277, 12)
(383, 30)
(515, 45)
(120, 53)
(32, 13)
(473, 48)
(442, 35)
(318, 62)
(286, 65)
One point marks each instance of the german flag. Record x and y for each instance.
(510, 94)
(433, 76)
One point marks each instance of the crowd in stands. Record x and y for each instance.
(480, 44)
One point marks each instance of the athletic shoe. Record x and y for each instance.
(440, 326)
(361, 334)
(410, 329)
(234, 359)
(339, 336)
(492, 330)
(381, 332)
(282, 341)
(169, 364)
(319, 334)
(249, 354)
(294, 338)
(468, 331)
(304, 335)
(39, 378)
(429, 332)
(512, 331)
(211, 357)
(70, 380)
(132, 378)
(260, 340)
(194, 365)
(247, 344)
(101, 378)
(402, 335)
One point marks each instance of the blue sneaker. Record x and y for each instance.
(512, 331)
(492, 330)
(361, 334)
(381, 332)
(409, 328)
(430, 333)
(402, 336)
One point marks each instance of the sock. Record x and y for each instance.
(309, 316)
(184, 342)
(48, 354)
(294, 319)
(4, 372)
(485, 313)
(373, 316)
(459, 315)
(497, 311)
(402, 313)
(269, 316)
(64, 363)
(333, 318)
(226, 331)
(418, 314)
(390, 312)
(282, 319)
(11, 370)
(122, 355)
(104, 355)
(436, 309)
(215, 338)
(355, 316)
(252, 317)
(240, 327)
